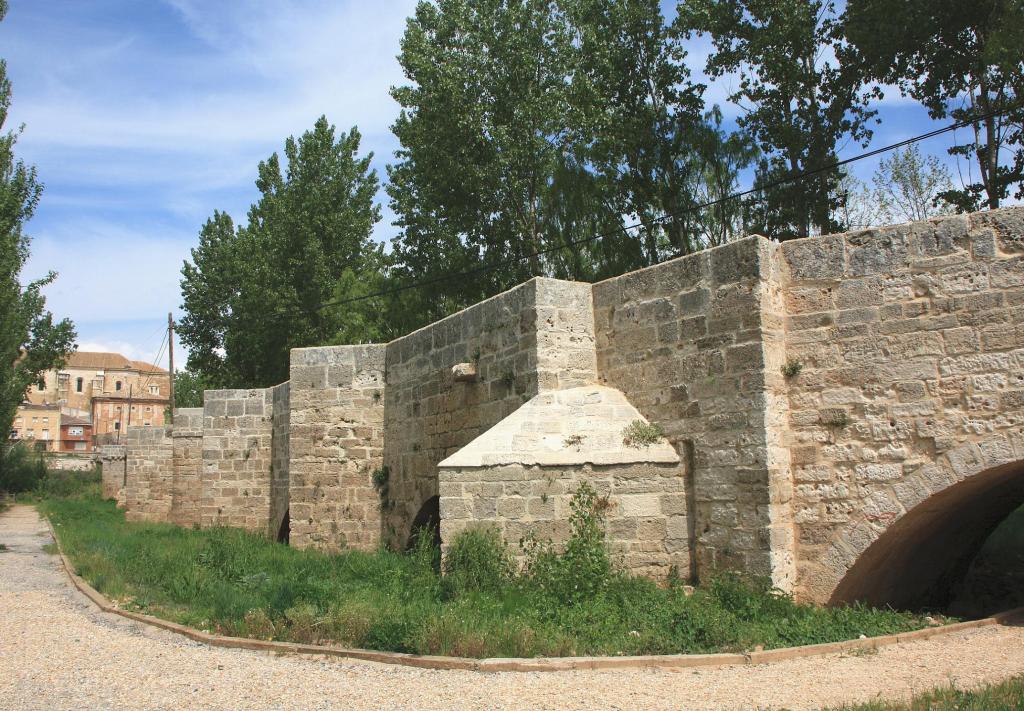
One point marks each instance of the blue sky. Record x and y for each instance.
(143, 116)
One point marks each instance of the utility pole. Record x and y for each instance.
(170, 358)
(130, 386)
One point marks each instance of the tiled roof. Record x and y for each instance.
(109, 361)
(73, 420)
(148, 367)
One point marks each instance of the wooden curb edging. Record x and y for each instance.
(525, 664)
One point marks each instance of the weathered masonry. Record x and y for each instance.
(843, 413)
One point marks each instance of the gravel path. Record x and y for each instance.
(57, 651)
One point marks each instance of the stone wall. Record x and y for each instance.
(689, 342)
(905, 415)
(521, 475)
(187, 436)
(236, 476)
(150, 465)
(911, 340)
(335, 443)
(645, 510)
(536, 337)
(112, 471)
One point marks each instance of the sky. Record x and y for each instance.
(144, 116)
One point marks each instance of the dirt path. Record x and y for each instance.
(57, 651)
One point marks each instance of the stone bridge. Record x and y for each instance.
(842, 413)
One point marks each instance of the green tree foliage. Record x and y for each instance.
(254, 292)
(960, 60)
(188, 389)
(533, 126)
(31, 342)
(799, 97)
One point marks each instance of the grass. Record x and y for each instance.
(570, 602)
(1008, 696)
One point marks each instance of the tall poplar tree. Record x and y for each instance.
(254, 292)
(799, 95)
(541, 126)
(31, 341)
(961, 60)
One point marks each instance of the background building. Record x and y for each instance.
(75, 434)
(114, 413)
(38, 425)
(89, 374)
(91, 393)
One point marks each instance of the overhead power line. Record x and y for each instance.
(656, 221)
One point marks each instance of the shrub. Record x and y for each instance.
(585, 567)
(478, 560)
(21, 470)
(60, 483)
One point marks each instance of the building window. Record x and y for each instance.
(41, 385)
(78, 384)
(46, 420)
(154, 389)
(148, 410)
(117, 425)
(117, 385)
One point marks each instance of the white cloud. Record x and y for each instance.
(129, 350)
(109, 272)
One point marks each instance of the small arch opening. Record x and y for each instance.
(930, 559)
(427, 523)
(284, 530)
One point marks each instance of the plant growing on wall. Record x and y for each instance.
(641, 434)
(381, 478)
(792, 367)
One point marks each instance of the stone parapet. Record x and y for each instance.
(336, 425)
(148, 490)
(112, 471)
(187, 436)
(536, 337)
(236, 475)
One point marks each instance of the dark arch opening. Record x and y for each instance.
(427, 523)
(284, 530)
(921, 561)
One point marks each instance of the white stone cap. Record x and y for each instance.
(582, 425)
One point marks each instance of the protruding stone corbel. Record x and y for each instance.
(464, 372)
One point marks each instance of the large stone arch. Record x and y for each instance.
(946, 511)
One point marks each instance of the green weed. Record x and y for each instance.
(1008, 696)
(569, 599)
